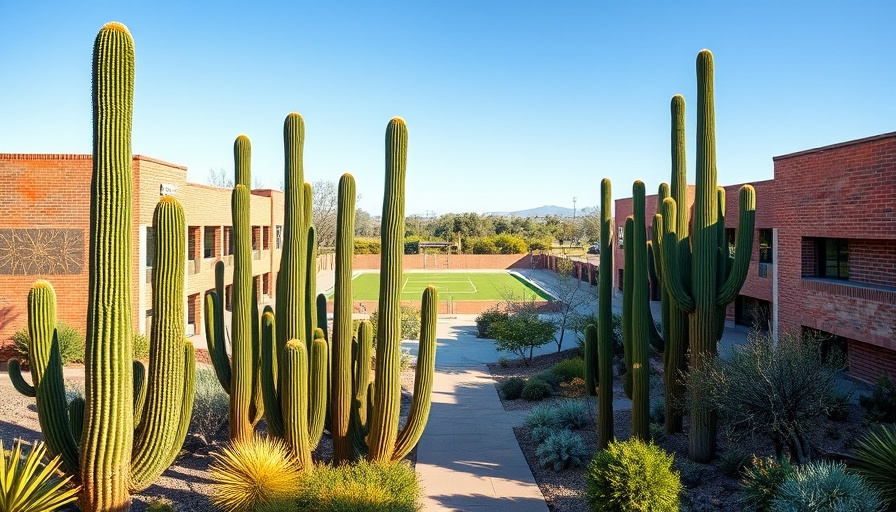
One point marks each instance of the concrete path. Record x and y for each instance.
(468, 458)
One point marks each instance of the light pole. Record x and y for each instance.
(574, 208)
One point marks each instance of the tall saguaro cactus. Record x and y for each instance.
(703, 282)
(384, 441)
(605, 319)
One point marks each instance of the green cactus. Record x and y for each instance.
(592, 371)
(605, 320)
(385, 443)
(640, 320)
(702, 281)
(341, 340)
(295, 318)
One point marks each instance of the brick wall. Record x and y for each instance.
(452, 262)
(841, 191)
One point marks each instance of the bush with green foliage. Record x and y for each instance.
(568, 369)
(549, 377)
(256, 474)
(522, 331)
(632, 475)
(367, 245)
(361, 487)
(29, 485)
(779, 390)
(838, 406)
(579, 321)
(535, 390)
(512, 388)
(71, 343)
(733, 461)
(485, 319)
(875, 460)
(825, 486)
(761, 480)
(571, 414)
(410, 323)
(538, 434)
(561, 450)
(541, 416)
(160, 505)
(880, 405)
(211, 406)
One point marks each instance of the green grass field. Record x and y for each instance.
(486, 286)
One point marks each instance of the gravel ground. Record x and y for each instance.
(707, 488)
(186, 482)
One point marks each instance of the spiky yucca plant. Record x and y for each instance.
(252, 474)
(28, 485)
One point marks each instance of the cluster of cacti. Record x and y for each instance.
(96, 437)
(599, 339)
(697, 270)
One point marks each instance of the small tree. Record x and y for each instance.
(522, 331)
(572, 295)
(777, 390)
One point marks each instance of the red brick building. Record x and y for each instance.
(824, 250)
(44, 234)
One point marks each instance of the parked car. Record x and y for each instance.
(594, 249)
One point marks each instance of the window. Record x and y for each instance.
(193, 242)
(150, 245)
(279, 236)
(731, 236)
(832, 258)
(228, 240)
(766, 250)
(830, 345)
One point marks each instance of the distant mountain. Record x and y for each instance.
(541, 211)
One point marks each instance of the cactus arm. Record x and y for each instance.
(317, 405)
(19, 382)
(214, 329)
(628, 280)
(361, 389)
(672, 254)
(387, 393)
(322, 319)
(139, 393)
(256, 408)
(341, 386)
(591, 360)
(46, 372)
(76, 417)
(242, 369)
(295, 402)
(109, 429)
(743, 247)
(187, 399)
(166, 378)
(269, 373)
(311, 286)
(423, 378)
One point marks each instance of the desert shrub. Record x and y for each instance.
(485, 319)
(485, 245)
(632, 475)
(141, 346)
(825, 486)
(538, 434)
(210, 407)
(367, 245)
(568, 369)
(160, 505)
(777, 390)
(522, 331)
(875, 460)
(541, 416)
(535, 390)
(510, 244)
(838, 406)
(561, 449)
(571, 414)
(364, 486)
(574, 388)
(410, 323)
(657, 432)
(71, 343)
(253, 475)
(657, 409)
(761, 480)
(512, 388)
(29, 485)
(549, 377)
(880, 405)
(732, 461)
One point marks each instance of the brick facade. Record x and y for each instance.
(842, 192)
(50, 200)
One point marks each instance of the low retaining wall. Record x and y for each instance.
(453, 261)
(457, 307)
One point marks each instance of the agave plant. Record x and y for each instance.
(875, 459)
(28, 485)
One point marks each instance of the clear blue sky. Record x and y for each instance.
(509, 105)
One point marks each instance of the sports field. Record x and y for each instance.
(485, 286)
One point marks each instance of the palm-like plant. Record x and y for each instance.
(875, 459)
(28, 485)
